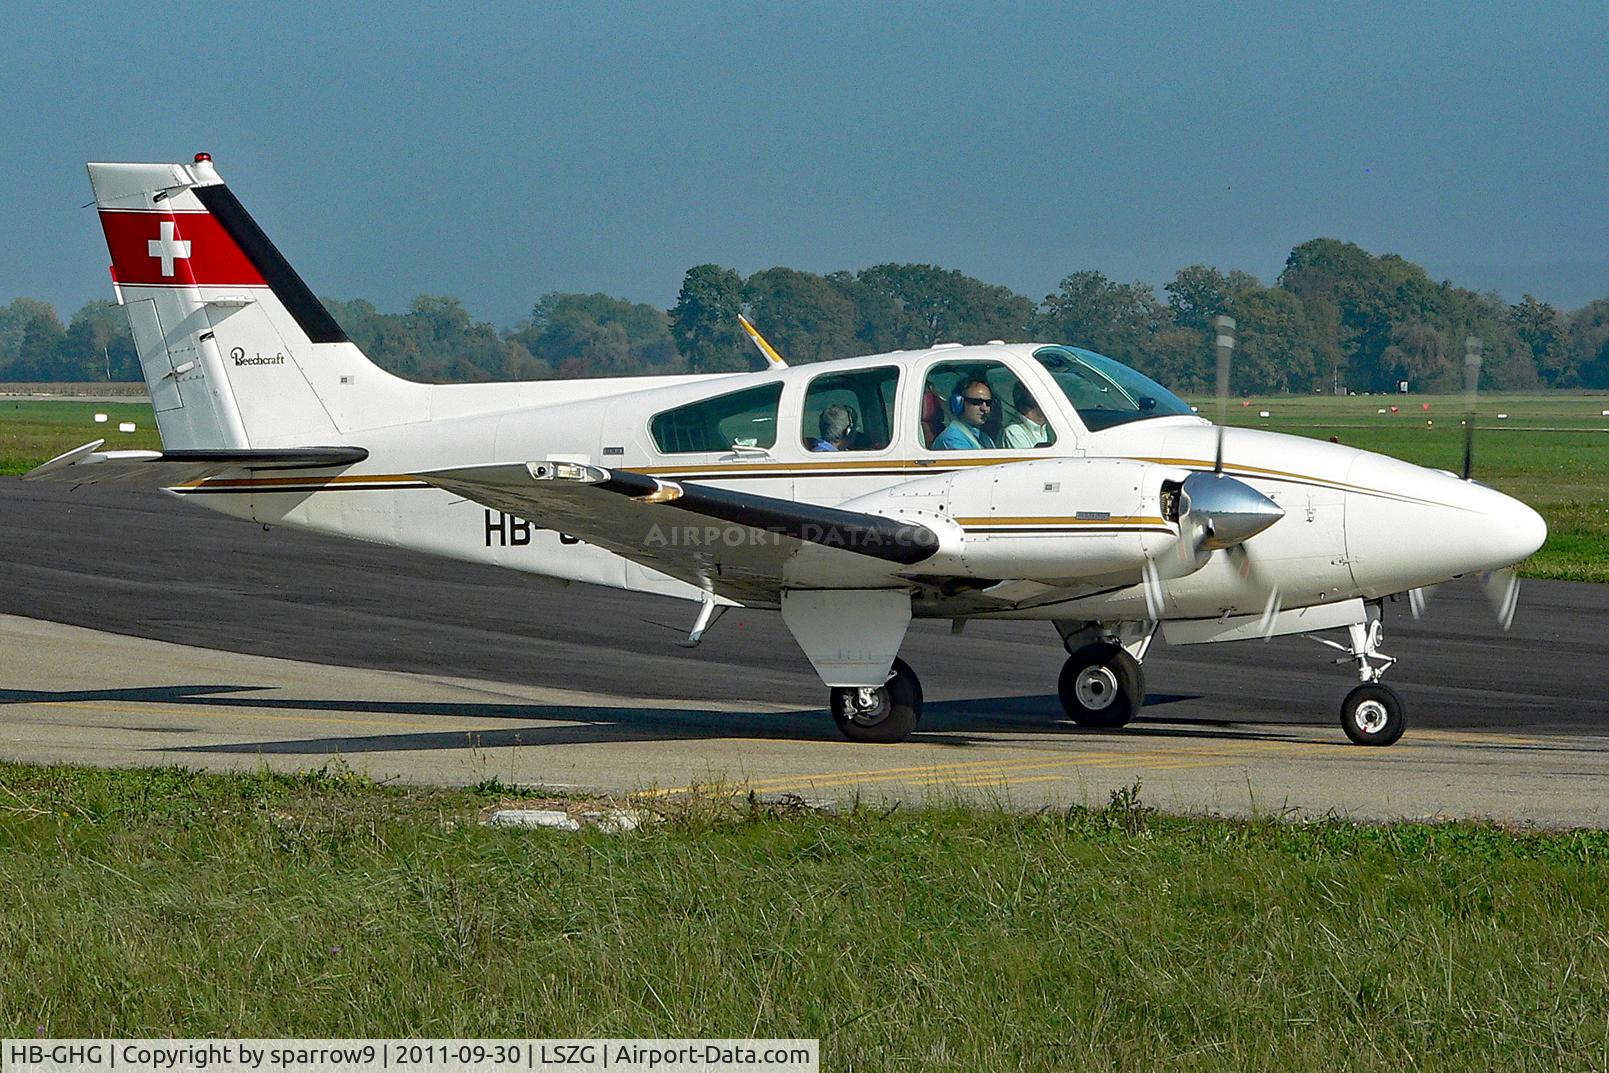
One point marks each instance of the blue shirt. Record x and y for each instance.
(960, 436)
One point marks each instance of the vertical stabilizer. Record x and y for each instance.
(237, 351)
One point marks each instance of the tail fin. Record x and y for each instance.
(237, 351)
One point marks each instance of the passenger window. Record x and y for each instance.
(851, 411)
(972, 406)
(740, 419)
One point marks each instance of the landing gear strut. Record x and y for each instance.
(1101, 685)
(1372, 714)
(880, 714)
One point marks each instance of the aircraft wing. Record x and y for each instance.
(736, 544)
(163, 469)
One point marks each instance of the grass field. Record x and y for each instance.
(32, 431)
(162, 902)
(1552, 451)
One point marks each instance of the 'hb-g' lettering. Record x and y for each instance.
(506, 531)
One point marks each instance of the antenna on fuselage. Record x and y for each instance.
(769, 352)
(1225, 345)
(1472, 377)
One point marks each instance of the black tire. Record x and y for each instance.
(1101, 685)
(1372, 715)
(899, 708)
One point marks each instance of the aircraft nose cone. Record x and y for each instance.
(1407, 526)
(1516, 528)
(1230, 511)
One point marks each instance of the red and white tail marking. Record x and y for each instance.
(163, 248)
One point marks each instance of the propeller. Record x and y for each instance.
(1224, 343)
(1472, 376)
(1502, 587)
(1216, 513)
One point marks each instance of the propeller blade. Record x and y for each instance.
(1472, 377)
(1502, 588)
(1419, 600)
(1154, 596)
(1225, 346)
(1271, 611)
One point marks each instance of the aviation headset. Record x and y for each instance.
(958, 400)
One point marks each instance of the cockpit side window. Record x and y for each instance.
(738, 419)
(980, 405)
(1106, 392)
(850, 411)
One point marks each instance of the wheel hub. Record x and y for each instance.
(1096, 687)
(1370, 716)
(868, 705)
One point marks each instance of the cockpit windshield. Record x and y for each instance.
(1106, 392)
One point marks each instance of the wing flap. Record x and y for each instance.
(164, 469)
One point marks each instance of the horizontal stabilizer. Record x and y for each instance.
(164, 469)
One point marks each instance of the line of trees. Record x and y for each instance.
(1337, 316)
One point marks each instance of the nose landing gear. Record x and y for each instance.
(1372, 714)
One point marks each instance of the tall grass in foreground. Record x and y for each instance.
(166, 902)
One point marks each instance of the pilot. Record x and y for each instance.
(837, 427)
(1029, 429)
(969, 410)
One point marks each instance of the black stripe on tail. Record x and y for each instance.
(287, 286)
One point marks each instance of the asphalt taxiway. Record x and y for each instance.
(141, 630)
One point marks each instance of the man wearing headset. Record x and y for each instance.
(837, 427)
(969, 412)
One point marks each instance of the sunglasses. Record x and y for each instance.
(977, 402)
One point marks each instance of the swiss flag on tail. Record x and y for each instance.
(175, 249)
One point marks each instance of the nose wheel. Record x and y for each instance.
(1372, 715)
(879, 714)
(1101, 685)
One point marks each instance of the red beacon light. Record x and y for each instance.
(200, 157)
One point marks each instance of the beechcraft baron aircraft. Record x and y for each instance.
(1018, 481)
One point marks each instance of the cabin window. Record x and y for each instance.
(852, 411)
(739, 419)
(980, 405)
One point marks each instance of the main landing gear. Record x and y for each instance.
(1101, 685)
(880, 714)
(1372, 714)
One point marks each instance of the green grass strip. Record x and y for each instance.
(160, 902)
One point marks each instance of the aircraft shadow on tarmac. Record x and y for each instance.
(955, 723)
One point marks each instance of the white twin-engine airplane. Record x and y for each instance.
(1018, 481)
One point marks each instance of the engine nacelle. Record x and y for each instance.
(1050, 520)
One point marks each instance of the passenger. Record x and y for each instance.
(837, 428)
(969, 410)
(1029, 430)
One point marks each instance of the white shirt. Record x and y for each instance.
(1023, 434)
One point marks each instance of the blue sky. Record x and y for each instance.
(496, 153)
